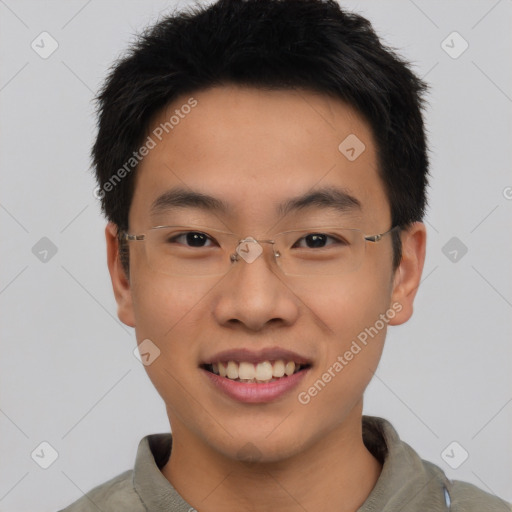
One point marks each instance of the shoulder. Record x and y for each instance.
(111, 496)
(406, 478)
(462, 496)
(466, 497)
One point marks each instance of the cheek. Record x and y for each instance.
(165, 306)
(170, 313)
(344, 306)
(353, 336)
(348, 310)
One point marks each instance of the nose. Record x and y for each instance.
(254, 293)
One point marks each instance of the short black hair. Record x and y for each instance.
(271, 44)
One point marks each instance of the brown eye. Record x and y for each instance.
(191, 238)
(318, 240)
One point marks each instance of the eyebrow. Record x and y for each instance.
(329, 197)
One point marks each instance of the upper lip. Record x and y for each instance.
(250, 356)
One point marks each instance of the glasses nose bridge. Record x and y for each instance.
(250, 249)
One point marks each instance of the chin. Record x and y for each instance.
(259, 448)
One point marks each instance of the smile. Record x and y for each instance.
(262, 372)
(253, 391)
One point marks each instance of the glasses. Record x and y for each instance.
(198, 251)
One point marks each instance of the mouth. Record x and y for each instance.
(262, 372)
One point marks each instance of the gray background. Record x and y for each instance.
(67, 369)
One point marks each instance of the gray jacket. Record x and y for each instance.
(406, 484)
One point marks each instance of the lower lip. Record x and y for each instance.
(252, 392)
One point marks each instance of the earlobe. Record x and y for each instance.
(408, 275)
(120, 283)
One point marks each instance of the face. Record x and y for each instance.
(255, 150)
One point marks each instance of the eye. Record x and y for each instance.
(319, 240)
(191, 238)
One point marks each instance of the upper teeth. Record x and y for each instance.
(263, 371)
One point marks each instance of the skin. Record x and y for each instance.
(254, 149)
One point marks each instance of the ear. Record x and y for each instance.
(408, 275)
(120, 282)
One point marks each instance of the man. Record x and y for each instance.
(263, 167)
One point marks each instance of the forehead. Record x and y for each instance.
(255, 149)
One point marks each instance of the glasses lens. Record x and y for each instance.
(189, 251)
(201, 251)
(326, 251)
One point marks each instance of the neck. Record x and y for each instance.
(337, 473)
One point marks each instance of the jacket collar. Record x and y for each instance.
(406, 484)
